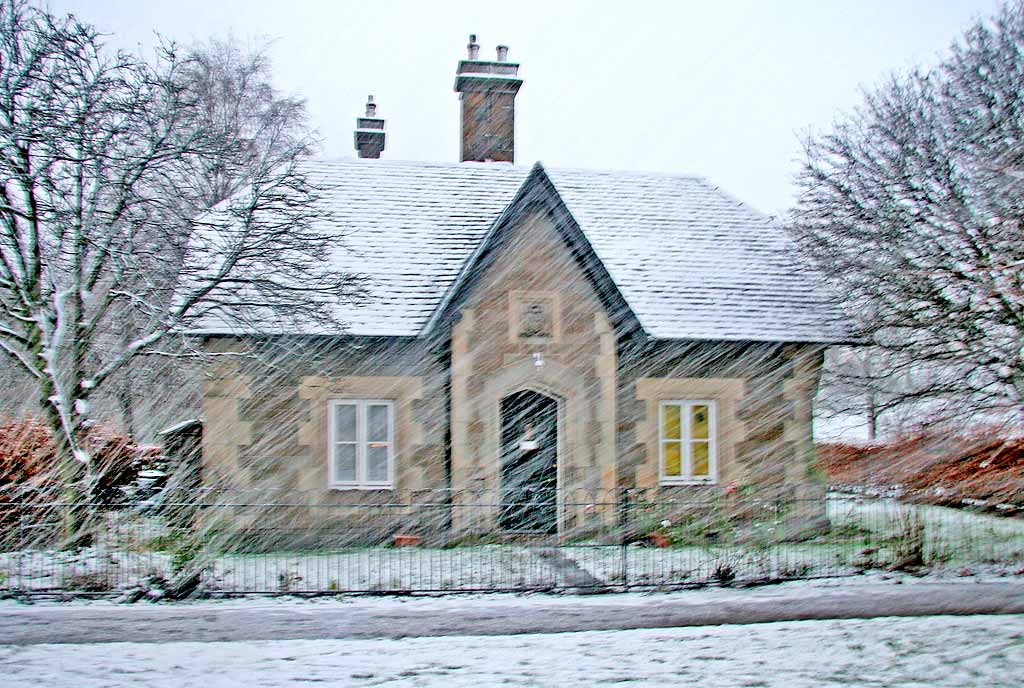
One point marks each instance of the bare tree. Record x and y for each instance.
(912, 206)
(245, 122)
(104, 161)
(231, 82)
(872, 384)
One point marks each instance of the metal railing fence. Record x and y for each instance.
(233, 543)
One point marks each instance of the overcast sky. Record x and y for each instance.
(721, 89)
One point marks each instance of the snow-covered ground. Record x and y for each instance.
(952, 537)
(887, 651)
(929, 651)
(444, 604)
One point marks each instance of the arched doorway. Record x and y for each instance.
(529, 463)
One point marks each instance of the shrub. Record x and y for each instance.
(26, 454)
(724, 574)
(187, 552)
(28, 463)
(30, 481)
(908, 541)
(95, 581)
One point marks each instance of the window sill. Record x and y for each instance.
(675, 482)
(364, 488)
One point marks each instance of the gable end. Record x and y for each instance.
(538, 195)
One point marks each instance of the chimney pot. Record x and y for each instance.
(371, 107)
(473, 48)
(502, 53)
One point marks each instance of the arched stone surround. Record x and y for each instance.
(576, 366)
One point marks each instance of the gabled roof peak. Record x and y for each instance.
(690, 261)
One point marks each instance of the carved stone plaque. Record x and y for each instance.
(535, 319)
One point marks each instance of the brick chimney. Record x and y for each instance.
(488, 91)
(369, 134)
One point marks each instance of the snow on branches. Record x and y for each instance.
(107, 161)
(913, 206)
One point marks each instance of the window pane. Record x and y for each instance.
(345, 462)
(700, 459)
(699, 420)
(345, 422)
(377, 463)
(377, 423)
(673, 462)
(670, 422)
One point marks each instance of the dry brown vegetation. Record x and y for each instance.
(30, 484)
(935, 467)
(28, 461)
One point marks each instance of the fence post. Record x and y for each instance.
(624, 509)
(21, 545)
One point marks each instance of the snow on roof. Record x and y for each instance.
(691, 261)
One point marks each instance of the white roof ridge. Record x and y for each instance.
(492, 164)
(390, 162)
(655, 174)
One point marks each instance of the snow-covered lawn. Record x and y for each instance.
(954, 535)
(94, 569)
(482, 567)
(930, 651)
(866, 533)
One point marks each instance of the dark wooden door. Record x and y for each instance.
(529, 463)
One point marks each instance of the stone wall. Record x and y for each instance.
(265, 434)
(765, 393)
(532, 320)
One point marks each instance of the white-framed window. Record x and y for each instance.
(687, 445)
(361, 443)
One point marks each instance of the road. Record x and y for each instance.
(485, 615)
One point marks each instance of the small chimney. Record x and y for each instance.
(488, 93)
(369, 136)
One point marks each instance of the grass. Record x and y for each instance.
(862, 534)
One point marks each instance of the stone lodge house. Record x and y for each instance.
(531, 334)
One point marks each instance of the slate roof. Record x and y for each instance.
(691, 261)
